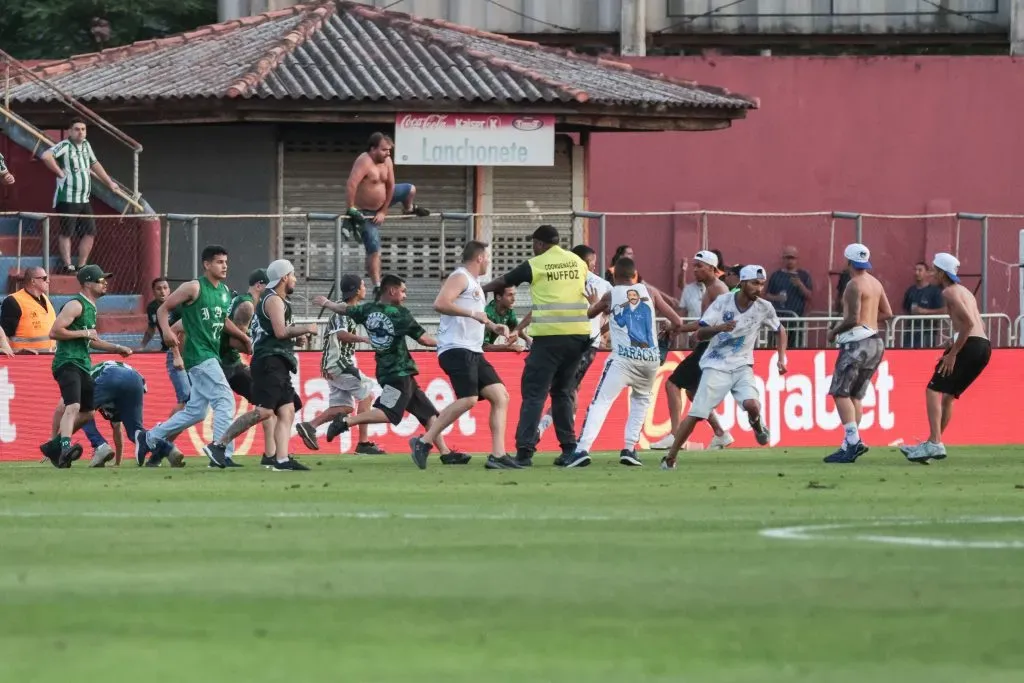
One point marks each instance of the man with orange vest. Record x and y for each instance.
(27, 315)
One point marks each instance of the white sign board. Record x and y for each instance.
(474, 140)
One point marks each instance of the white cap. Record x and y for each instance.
(948, 264)
(708, 257)
(752, 273)
(277, 271)
(858, 255)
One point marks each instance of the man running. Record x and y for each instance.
(348, 386)
(860, 348)
(633, 362)
(273, 363)
(387, 324)
(460, 339)
(75, 332)
(202, 305)
(731, 323)
(175, 366)
(686, 376)
(963, 361)
(370, 191)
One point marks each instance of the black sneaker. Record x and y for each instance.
(564, 459)
(524, 460)
(847, 454)
(141, 447)
(69, 269)
(369, 448)
(339, 425)
(307, 433)
(505, 462)
(760, 431)
(418, 211)
(419, 450)
(629, 458)
(455, 458)
(577, 459)
(217, 454)
(228, 462)
(268, 461)
(289, 465)
(68, 456)
(51, 449)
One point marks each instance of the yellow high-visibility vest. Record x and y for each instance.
(34, 325)
(559, 302)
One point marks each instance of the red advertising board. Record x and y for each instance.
(797, 408)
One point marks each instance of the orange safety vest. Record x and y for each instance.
(34, 325)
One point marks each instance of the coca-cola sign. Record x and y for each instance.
(475, 139)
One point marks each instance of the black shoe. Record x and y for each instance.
(217, 454)
(339, 425)
(369, 448)
(524, 460)
(228, 462)
(267, 461)
(564, 459)
(68, 456)
(577, 459)
(419, 450)
(760, 432)
(455, 458)
(308, 435)
(141, 447)
(51, 449)
(418, 211)
(847, 454)
(629, 458)
(289, 465)
(505, 462)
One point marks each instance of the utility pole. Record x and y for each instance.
(1017, 27)
(633, 28)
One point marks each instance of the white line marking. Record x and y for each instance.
(818, 532)
(354, 514)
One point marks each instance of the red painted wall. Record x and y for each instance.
(901, 135)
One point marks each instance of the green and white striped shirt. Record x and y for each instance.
(75, 160)
(3, 166)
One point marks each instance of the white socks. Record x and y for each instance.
(852, 434)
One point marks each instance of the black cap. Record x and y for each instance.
(547, 234)
(350, 285)
(92, 273)
(259, 277)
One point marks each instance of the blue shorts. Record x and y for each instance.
(371, 231)
(179, 380)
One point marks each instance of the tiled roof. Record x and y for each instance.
(341, 51)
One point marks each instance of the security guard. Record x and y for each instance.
(561, 333)
(27, 315)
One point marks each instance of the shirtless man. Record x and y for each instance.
(961, 364)
(860, 348)
(370, 191)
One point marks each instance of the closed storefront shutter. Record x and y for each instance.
(535, 191)
(316, 168)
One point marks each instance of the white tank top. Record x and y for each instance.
(632, 326)
(460, 332)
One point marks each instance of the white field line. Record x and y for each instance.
(820, 532)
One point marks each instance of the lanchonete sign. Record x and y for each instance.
(475, 140)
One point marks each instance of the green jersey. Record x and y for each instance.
(264, 342)
(203, 320)
(75, 160)
(76, 351)
(387, 326)
(508, 319)
(228, 354)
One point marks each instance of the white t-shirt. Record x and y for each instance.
(460, 332)
(692, 299)
(632, 325)
(601, 286)
(732, 350)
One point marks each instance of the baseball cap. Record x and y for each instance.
(752, 273)
(547, 234)
(858, 255)
(92, 273)
(708, 257)
(277, 270)
(258, 276)
(948, 264)
(350, 286)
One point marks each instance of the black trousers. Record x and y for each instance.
(550, 368)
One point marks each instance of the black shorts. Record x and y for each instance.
(401, 395)
(80, 223)
(468, 371)
(239, 379)
(585, 362)
(687, 374)
(76, 386)
(272, 383)
(971, 360)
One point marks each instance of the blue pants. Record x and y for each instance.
(209, 390)
(179, 380)
(371, 231)
(124, 390)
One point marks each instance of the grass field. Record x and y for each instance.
(368, 570)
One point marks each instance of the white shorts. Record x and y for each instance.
(620, 373)
(347, 389)
(715, 385)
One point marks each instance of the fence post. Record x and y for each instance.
(17, 266)
(602, 227)
(338, 230)
(194, 222)
(983, 272)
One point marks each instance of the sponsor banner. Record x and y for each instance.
(797, 407)
(475, 140)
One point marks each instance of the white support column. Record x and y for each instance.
(579, 191)
(633, 28)
(1017, 27)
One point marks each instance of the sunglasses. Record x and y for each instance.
(44, 278)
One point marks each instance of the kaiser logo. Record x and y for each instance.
(424, 121)
(528, 124)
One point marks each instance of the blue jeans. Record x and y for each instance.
(123, 390)
(179, 380)
(371, 231)
(209, 389)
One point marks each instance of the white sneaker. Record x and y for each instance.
(720, 442)
(664, 444)
(545, 424)
(102, 455)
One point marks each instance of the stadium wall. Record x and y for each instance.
(797, 408)
(898, 135)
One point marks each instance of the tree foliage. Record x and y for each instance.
(54, 29)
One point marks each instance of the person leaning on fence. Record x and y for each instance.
(72, 160)
(561, 334)
(27, 315)
(922, 298)
(6, 177)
